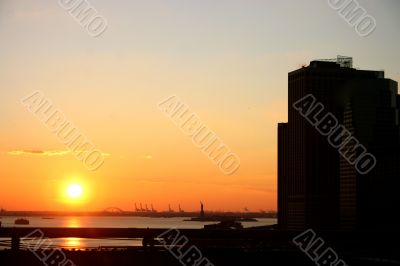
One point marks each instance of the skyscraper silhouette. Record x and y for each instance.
(317, 187)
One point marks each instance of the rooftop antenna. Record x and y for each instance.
(343, 61)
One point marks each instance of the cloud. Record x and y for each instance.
(45, 153)
(39, 152)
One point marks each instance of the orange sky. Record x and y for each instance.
(150, 161)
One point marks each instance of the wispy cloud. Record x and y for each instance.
(45, 152)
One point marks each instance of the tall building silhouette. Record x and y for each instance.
(317, 187)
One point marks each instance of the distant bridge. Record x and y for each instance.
(114, 210)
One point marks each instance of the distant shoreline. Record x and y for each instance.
(138, 214)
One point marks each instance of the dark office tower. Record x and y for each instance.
(317, 187)
(372, 115)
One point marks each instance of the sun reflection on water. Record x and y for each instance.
(72, 242)
(73, 222)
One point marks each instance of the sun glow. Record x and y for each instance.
(75, 191)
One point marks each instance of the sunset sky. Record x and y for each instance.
(227, 60)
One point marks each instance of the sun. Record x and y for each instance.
(74, 191)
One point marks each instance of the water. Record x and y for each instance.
(110, 222)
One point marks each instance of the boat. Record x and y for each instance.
(21, 221)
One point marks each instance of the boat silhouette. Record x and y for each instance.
(21, 221)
